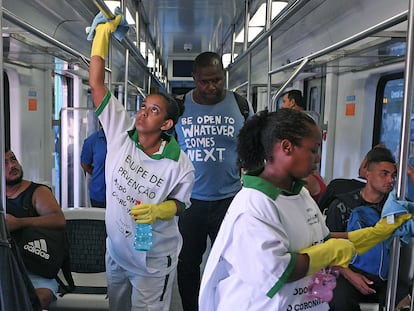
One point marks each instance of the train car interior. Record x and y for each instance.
(352, 60)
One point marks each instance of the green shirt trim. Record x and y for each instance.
(252, 180)
(283, 279)
(171, 150)
(104, 103)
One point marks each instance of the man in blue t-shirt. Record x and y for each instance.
(93, 162)
(207, 132)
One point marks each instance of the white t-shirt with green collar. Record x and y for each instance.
(254, 252)
(131, 176)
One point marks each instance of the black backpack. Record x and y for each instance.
(66, 265)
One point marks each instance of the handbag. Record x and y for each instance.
(42, 249)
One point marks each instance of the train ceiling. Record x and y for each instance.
(174, 26)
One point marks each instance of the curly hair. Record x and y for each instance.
(260, 133)
(175, 108)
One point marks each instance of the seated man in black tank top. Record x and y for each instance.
(44, 211)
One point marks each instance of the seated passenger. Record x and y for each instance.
(342, 185)
(49, 215)
(366, 278)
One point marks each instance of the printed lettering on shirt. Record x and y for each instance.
(300, 291)
(201, 148)
(312, 217)
(305, 305)
(132, 175)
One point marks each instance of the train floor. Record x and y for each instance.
(175, 297)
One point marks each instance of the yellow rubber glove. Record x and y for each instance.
(101, 39)
(366, 238)
(333, 252)
(145, 213)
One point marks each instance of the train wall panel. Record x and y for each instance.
(31, 125)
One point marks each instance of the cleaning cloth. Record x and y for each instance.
(396, 207)
(119, 33)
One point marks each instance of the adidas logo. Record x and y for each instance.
(38, 247)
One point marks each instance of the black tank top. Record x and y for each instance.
(22, 206)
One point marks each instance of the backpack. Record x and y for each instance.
(53, 238)
(376, 260)
(242, 103)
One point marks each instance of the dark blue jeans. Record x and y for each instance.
(201, 219)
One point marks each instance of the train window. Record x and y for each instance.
(314, 99)
(388, 116)
(314, 93)
(388, 112)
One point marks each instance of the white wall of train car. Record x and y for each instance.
(351, 134)
(31, 134)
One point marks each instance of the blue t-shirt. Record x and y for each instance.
(208, 135)
(94, 152)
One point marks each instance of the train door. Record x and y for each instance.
(72, 124)
(314, 92)
(388, 109)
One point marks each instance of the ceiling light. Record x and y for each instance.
(259, 18)
(253, 32)
(226, 58)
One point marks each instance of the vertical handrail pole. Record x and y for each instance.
(403, 158)
(126, 78)
(3, 225)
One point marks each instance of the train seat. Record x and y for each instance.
(87, 234)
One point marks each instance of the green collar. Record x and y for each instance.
(252, 180)
(171, 150)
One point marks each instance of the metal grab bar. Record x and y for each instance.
(352, 39)
(403, 156)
